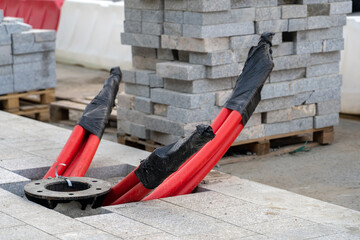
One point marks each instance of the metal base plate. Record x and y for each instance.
(50, 192)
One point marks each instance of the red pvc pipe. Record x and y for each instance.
(84, 160)
(189, 186)
(68, 153)
(121, 188)
(189, 170)
(134, 195)
(72, 165)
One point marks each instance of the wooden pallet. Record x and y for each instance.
(283, 143)
(60, 110)
(139, 143)
(32, 103)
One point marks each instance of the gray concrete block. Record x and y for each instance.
(178, 5)
(174, 16)
(220, 30)
(319, 95)
(278, 89)
(126, 101)
(138, 90)
(320, 34)
(322, 69)
(156, 81)
(43, 35)
(145, 63)
(247, 41)
(311, 1)
(132, 14)
(343, 7)
(143, 77)
(326, 120)
(35, 57)
(337, 20)
(212, 58)
(322, 58)
(163, 138)
(254, 120)
(144, 52)
(209, 5)
(182, 100)
(322, 9)
(165, 54)
(180, 70)
(163, 125)
(241, 54)
(128, 76)
(13, 19)
(222, 97)
(275, 104)
(309, 47)
(141, 4)
(277, 39)
(16, 27)
(1, 15)
(297, 24)
(294, 11)
(5, 55)
(281, 115)
(194, 44)
(253, 3)
(23, 38)
(302, 124)
(277, 128)
(6, 70)
(192, 115)
(144, 105)
(251, 132)
(140, 40)
(272, 26)
(32, 48)
(290, 62)
(331, 45)
(184, 56)
(152, 28)
(152, 16)
(124, 114)
(268, 13)
(316, 83)
(6, 84)
(319, 22)
(123, 127)
(139, 131)
(328, 107)
(224, 71)
(132, 26)
(160, 109)
(173, 29)
(303, 111)
(284, 49)
(198, 86)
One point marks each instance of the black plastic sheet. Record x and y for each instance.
(257, 68)
(97, 112)
(166, 160)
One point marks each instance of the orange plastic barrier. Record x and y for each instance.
(41, 14)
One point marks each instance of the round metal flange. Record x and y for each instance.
(50, 192)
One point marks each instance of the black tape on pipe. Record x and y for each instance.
(166, 160)
(97, 112)
(257, 68)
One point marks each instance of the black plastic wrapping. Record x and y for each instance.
(97, 112)
(166, 160)
(257, 68)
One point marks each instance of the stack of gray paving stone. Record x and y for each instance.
(27, 57)
(187, 56)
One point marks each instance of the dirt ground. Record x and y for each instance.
(329, 173)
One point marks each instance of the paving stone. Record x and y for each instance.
(268, 13)
(155, 81)
(282, 115)
(301, 124)
(279, 89)
(317, 83)
(7, 84)
(223, 71)
(161, 124)
(254, 120)
(251, 132)
(274, 104)
(191, 115)
(24, 232)
(173, 16)
(180, 70)
(123, 127)
(132, 14)
(286, 75)
(132, 27)
(141, 4)
(194, 44)
(290, 62)
(272, 26)
(321, 9)
(331, 45)
(139, 131)
(145, 63)
(326, 120)
(173, 29)
(322, 69)
(44, 35)
(241, 54)
(140, 40)
(34, 57)
(253, 3)
(176, 5)
(244, 42)
(343, 7)
(144, 52)
(182, 100)
(7, 221)
(33, 48)
(198, 86)
(322, 58)
(320, 34)
(293, 11)
(16, 27)
(128, 76)
(131, 115)
(163, 138)
(284, 49)
(328, 107)
(309, 47)
(212, 58)
(143, 105)
(318, 95)
(220, 30)
(89, 235)
(337, 20)
(137, 90)
(319, 22)
(297, 24)
(152, 16)
(209, 5)
(303, 111)
(143, 77)
(222, 97)
(160, 109)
